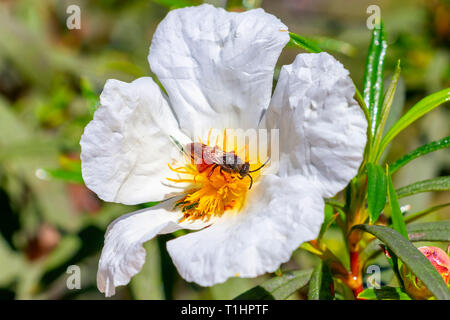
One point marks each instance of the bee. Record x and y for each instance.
(206, 157)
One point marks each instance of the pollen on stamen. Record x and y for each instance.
(209, 189)
(209, 194)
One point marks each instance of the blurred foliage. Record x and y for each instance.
(50, 80)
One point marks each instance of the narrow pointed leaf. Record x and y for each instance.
(417, 215)
(386, 108)
(422, 150)
(435, 184)
(321, 283)
(398, 221)
(374, 74)
(61, 174)
(303, 43)
(376, 191)
(418, 110)
(430, 231)
(411, 257)
(329, 44)
(278, 288)
(175, 4)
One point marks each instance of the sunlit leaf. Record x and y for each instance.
(329, 44)
(60, 174)
(374, 75)
(278, 288)
(303, 43)
(435, 184)
(422, 150)
(385, 109)
(376, 191)
(411, 257)
(398, 221)
(175, 4)
(418, 110)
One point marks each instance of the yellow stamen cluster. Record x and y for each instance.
(213, 191)
(210, 193)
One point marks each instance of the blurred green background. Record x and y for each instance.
(50, 79)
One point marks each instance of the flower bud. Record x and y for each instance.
(440, 261)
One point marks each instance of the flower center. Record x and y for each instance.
(213, 187)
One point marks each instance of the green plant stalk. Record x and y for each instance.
(357, 213)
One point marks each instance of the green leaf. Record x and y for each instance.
(175, 4)
(329, 44)
(418, 110)
(60, 174)
(430, 231)
(89, 95)
(435, 184)
(376, 191)
(398, 221)
(417, 215)
(278, 288)
(422, 150)
(321, 283)
(304, 43)
(374, 74)
(384, 293)
(385, 109)
(411, 257)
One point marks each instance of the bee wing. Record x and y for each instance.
(213, 155)
(201, 153)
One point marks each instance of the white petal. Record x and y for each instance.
(125, 149)
(217, 66)
(123, 255)
(322, 128)
(281, 213)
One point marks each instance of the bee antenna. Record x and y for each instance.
(261, 166)
(251, 182)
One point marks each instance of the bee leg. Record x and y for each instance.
(212, 170)
(251, 182)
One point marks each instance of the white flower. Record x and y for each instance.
(217, 68)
